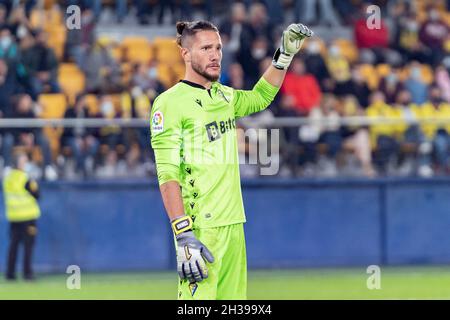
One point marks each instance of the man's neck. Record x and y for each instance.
(198, 79)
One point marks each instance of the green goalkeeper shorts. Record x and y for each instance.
(227, 276)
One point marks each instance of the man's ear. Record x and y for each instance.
(186, 54)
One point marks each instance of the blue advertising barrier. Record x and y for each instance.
(121, 225)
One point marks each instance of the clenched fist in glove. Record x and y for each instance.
(291, 42)
(191, 253)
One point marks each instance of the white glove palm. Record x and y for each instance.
(291, 41)
(191, 256)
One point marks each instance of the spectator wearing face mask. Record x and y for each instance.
(315, 64)
(415, 84)
(258, 51)
(391, 85)
(110, 135)
(146, 78)
(359, 87)
(339, 70)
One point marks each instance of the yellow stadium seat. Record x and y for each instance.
(37, 18)
(72, 84)
(53, 105)
(348, 49)
(165, 75)
(178, 71)
(137, 49)
(427, 74)
(383, 69)
(92, 104)
(370, 75)
(68, 68)
(166, 50)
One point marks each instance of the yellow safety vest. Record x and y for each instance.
(20, 204)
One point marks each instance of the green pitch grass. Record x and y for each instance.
(396, 283)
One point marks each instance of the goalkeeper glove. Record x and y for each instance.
(291, 42)
(190, 252)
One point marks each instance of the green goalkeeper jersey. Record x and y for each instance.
(194, 138)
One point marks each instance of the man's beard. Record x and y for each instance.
(210, 77)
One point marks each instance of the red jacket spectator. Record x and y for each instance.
(371, 38)
(303, 87)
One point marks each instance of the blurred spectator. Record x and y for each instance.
(415, 84)
(407, 40)
(339, 69)
(9, 50)
(442, 80)
(374, 43)
(259, 51)
(436, 133)
(110, 135)
(28, 137)
(356, 138)
(433, 33)
(77, 40)
(391, 85)
(383, 136)
(101, 70)
(306, 12)
(82, 141)
(236, 76)
(146, 78)
(359, 87)
(232, 28)
(259, 22)
(413, 143)
(330, 135)
(302, 86)
(315, 64)
(41, 63)
(18, 23)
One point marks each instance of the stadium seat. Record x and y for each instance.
(92, 104)
(165, 75)
(178, 71)
(383, 69)
(166, 50)
(369, 73)
(72, 84)
(348, 49)
(53, 105)
(137, 49)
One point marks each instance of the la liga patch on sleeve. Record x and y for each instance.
(158, 122)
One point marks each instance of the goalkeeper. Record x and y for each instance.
(194, 139)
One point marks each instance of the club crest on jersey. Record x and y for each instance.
(158, 122)
(223, 95)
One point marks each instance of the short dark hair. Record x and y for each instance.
(189, 28)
